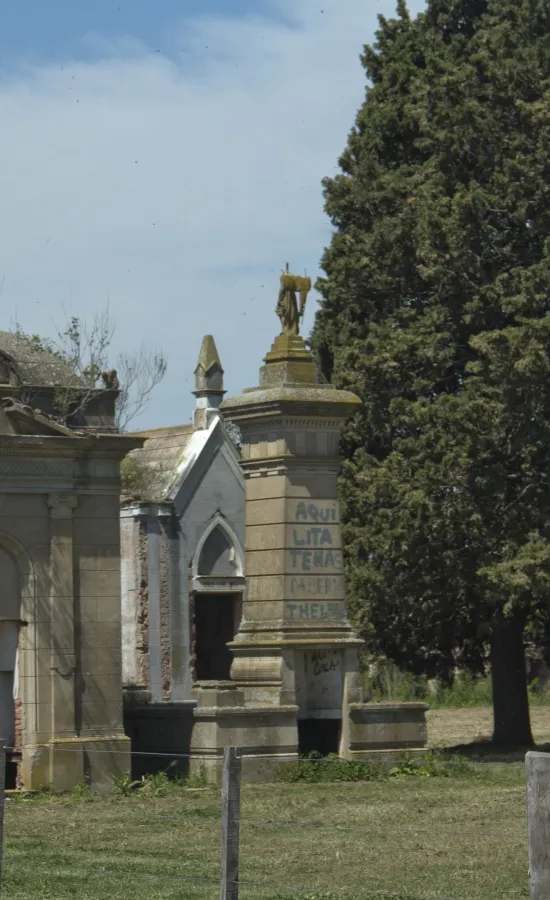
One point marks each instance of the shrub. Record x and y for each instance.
(136, 477)
(315, 768)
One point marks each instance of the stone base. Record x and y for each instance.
(385, 729)
(156, 731)
(288, 361)
(63, 763)
(266, 735)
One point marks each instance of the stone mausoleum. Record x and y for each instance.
(266, 662)
(60, 638)
(182, 569)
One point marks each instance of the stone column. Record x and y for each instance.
(295, 644)
(66, 765)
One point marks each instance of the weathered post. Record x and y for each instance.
(231, 815)
(2, 795)
(537, 771)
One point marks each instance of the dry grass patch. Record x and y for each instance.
(452, 727)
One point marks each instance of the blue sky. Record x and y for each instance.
(166, 158)
(60, 28)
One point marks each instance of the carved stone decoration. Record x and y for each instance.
(62, 505)
(17, 467)
(110, 380)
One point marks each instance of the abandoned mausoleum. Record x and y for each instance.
(168, 593)
(182, 567)
(60, 639)
(234, 623)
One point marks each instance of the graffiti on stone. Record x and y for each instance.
(314, 611)
(309, 560)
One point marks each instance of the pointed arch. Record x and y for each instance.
(218, 522)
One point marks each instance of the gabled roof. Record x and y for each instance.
(33, 364)
(161, 453)
(176, 458)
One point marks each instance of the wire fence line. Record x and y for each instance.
(230, 820)
(377, 756)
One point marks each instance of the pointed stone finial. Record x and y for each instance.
(208, 383)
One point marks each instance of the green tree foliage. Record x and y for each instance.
(436, 311)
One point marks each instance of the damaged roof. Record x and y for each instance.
(33, 364)
(161, 454)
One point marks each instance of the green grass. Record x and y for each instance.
(388, 683)
(462, 836)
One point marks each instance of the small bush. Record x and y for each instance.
(160, 783)
(433, 765)
(136, 477)
(81, 793)
(123, 785)
(314, 769)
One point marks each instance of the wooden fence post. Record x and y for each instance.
(537, 772)
(231, 814)
(2, 794)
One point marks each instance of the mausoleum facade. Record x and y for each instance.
(60, 638)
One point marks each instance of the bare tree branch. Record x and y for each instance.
(85, 348)
(139, 374)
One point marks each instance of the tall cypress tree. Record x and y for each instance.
(436, 310)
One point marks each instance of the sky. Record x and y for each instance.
(165, 159)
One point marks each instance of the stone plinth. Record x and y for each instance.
(386, 729)
(266, 736)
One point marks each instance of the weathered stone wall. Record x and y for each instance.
(96, 560)
(59, 524)
(134, 599)
(164, 602)
(142, 640)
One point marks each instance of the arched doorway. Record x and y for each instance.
(10, 615)
(17, 652)
(216, 602)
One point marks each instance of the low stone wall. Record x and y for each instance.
(267, 736)
(156, 730)
(388, 728)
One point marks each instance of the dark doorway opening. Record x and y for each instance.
(318, 736)
(11, 772)
(216, 620)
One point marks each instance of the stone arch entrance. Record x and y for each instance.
(10, 603)
(16, 609)
(216, 601)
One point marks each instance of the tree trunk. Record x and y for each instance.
(512, 725)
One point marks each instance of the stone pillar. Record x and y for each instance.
(66, 764)
(295, 645)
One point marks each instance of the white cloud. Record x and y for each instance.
(177, 188)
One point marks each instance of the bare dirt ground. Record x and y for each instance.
(452, 727)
